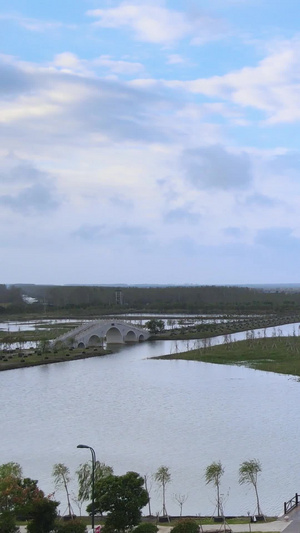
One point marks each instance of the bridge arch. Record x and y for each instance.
(114, 336)
(94, 340)
(130, 336)
(94, 333)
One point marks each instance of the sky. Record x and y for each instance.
(149, 141)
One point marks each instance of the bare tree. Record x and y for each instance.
(180, 499)
(79, 503)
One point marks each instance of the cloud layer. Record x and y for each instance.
(155, 135)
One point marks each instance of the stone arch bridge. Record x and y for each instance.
(100, 331)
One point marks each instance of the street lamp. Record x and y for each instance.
(93, 480)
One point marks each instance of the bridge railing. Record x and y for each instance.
(73, 332)
(89, 326)
(291, 504)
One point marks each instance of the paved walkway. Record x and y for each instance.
(275, 526)
(293, 525)
(289, 525)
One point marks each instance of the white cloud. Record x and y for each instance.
(122, 156)
(70, 63)
(118, 66)
(175, 59)
(149, 23)
(66, 59)
(159, 25)
(271, 87)
(33, 24)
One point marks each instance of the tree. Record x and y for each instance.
(61, 474)
(155, 326)
(20, 497)
(171, 323)
(78, 503)
(213, 474)
(17, 495)
(43, 516)
(44, 345)
(163, 477)
(148, 492)
(122, 497)
(10, 469)
(28, 495)
(8, 522)
(84, 476)
(180, 499)
(8, 493)
(248, 473)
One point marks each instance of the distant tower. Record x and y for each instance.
(119, 297)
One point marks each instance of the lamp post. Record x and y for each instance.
(93, 480)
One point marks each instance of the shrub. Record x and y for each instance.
(186, 525)
(72, 526)
(8, 522)
(43, 516)
(146, 527)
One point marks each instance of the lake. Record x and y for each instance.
(139, 413)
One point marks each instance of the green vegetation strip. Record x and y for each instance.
(214, 329)
(10, 359)
(275, 354)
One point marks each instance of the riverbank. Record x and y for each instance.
(257, 351)
(12, 359)
(274, 354)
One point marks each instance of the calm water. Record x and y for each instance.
(140, 413)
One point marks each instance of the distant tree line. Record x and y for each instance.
(10, 298)
(10, 294)
(186, 299)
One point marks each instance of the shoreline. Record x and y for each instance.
(65, 359)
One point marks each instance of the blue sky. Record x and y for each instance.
(149, 142)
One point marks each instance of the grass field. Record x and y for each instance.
(274, 354)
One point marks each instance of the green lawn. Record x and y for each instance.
(275, 354)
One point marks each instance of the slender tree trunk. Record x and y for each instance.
(218, 499)
(257, 501)
(164, 500)
(68, 498)
(146, 487)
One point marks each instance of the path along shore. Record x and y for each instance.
(265, 527)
